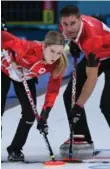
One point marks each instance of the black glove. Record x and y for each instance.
(42, 123)
(75, 115)
(74, 49)
(42, 126)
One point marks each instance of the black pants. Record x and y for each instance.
(82, 126)
(105, 98)
(27, 118)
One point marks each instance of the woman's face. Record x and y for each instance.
(52, 53)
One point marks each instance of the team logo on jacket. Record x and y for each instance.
(42, 70)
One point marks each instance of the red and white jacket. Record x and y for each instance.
(29, 56)
(93, 36)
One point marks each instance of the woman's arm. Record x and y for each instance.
(52, 91)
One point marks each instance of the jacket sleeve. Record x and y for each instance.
(52, 91)
(7, 38)
(11, 42)
(24, 51)
(96, 44)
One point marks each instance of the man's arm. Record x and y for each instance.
(92, 74)
(92, 64)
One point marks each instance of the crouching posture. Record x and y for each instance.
(34, 58)
(91, 36)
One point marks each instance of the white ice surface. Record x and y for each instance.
(35, 148)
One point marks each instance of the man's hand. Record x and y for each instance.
(42, 126)
(75, 115)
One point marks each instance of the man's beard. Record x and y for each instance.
(72, 36)
(68, 37)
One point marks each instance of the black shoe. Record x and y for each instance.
(15, 155)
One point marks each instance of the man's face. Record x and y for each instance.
(71, 25)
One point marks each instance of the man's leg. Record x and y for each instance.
(81, 128)
(105, 98)
(26, 120)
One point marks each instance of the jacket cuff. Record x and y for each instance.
(45, 113)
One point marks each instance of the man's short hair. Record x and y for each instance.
(70, 10)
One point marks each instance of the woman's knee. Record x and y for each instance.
(28, 118)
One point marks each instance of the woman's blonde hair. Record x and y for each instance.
(56, 38)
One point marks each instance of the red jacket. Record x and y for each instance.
(93, 36)
(29, 55)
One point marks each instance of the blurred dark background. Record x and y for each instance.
(33, 19)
